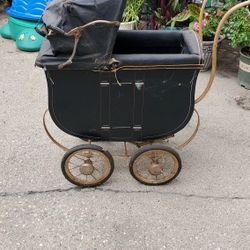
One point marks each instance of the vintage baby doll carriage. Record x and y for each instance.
(105, 84)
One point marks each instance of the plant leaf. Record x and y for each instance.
(175, 4)
(194, 10)
(183, 16)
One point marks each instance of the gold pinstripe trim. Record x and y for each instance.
(172, 66)
(155, 67)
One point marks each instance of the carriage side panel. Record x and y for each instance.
(134, 105)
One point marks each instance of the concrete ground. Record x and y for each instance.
(206, 207)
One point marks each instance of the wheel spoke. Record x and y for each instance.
(87, 154)
(79, 174)
(76, 166)
(162, 172)
(72, 163)
(93, 176)
(75, 162)
(98, 170)
(79, 158)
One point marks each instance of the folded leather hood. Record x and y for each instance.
(96, 42)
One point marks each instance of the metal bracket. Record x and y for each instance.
(105, 127)
(137, 128)
(104, 83)
(139, 85)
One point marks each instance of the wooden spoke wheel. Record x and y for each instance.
(155, 165)
(87, 165)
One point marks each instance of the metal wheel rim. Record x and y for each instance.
(72, 167)
(166, 176)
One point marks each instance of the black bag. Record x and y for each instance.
(95, 42)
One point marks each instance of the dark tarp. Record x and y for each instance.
(96, 42)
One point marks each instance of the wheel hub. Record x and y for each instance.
(155, 169)
(87, 168)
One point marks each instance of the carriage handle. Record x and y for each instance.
(215, 44)
(76, 33)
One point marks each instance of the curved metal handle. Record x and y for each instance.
(215, 45)
(76, 33)
(203, 6)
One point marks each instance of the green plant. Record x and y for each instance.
(210, 22)
(132, 10)
(160, 20)
(237, 28)
(179, 18)
(161, 11)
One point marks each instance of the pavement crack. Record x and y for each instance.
(116, 191)
(176, 194)
(34, 192)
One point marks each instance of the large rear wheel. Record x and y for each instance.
(155, 165)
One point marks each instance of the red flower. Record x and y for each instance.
(219, 13)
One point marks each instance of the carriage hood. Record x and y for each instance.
(96, 42)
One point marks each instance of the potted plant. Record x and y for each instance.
(166, 12)
(238, 32)
(130, 15)
(212, 17)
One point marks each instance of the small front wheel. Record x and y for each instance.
(155, 165)
(87, 165)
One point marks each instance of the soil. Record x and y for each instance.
(246, 51)
(228, 59)
(208, 39)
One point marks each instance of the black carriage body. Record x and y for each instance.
(150, 96)
(149, 104)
